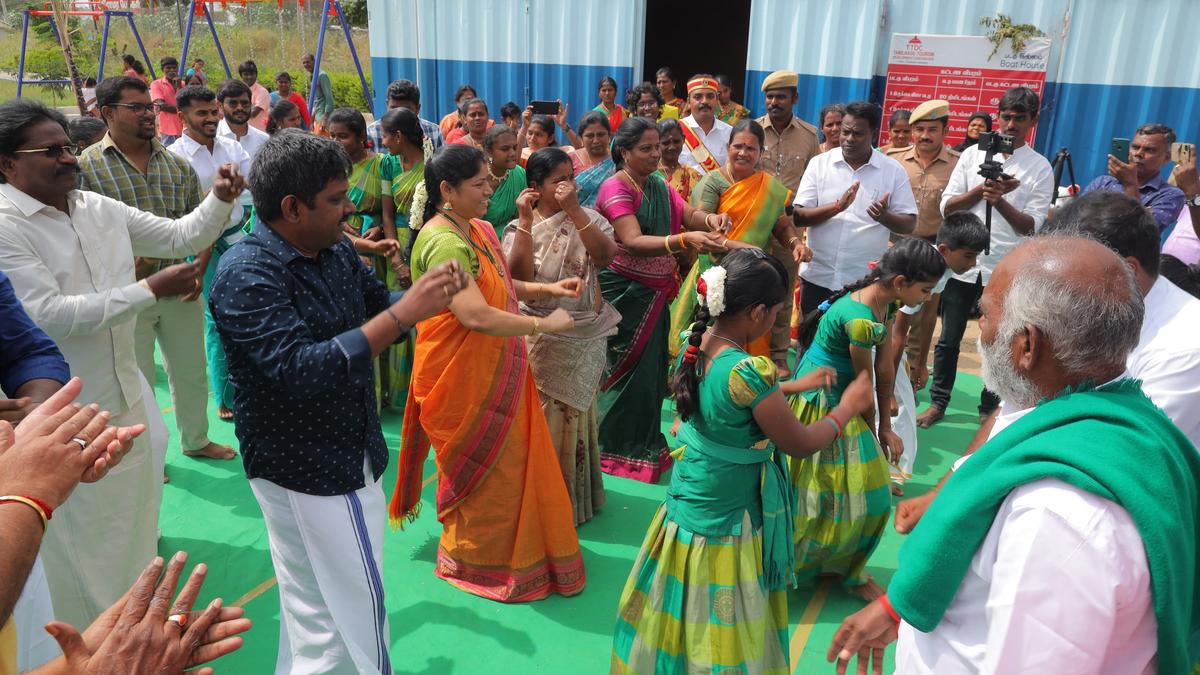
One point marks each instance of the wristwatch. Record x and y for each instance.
(1194, 201)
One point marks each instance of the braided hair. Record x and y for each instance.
(916, 260)
(752, 278)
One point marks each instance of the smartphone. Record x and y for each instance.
(544, 108)
(1182, 152)
(1120, 149)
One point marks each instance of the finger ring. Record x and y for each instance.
(82, 443)
(178, 619)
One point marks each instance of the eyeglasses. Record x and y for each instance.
(237, 104)
(136, 108)
(51, 152)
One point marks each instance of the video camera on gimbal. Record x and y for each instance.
(993, 143)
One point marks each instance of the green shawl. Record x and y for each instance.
(1110, 441)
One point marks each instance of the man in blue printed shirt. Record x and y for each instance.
(301, 320)
(1141, 177)
(31, 365)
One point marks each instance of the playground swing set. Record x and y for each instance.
(99, 10)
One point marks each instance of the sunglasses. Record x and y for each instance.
(51, 152)
(136, 108)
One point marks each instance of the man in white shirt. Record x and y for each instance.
(705, 138)
(70, 256)
(131, 166)
(1019, 204)
(851, 199)
(205, 149)
(1089, 499)
(234, 97)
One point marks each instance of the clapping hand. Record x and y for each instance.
(848, 196)
(878, 209)
(60, 444)
(139, 634)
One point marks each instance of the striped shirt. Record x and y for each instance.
(170, 187)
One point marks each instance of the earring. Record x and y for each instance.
(449, 206)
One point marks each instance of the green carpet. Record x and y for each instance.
(209, 511)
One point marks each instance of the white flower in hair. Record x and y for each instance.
(417, 217)
(714, 292)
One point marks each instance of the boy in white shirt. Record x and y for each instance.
(960, 240)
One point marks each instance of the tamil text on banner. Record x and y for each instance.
(957, 68)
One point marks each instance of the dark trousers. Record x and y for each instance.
(811, 296)
(958, 300)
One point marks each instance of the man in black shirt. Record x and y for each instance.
(301, 320)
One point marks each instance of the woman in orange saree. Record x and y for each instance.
(508, 529)
(755, 202)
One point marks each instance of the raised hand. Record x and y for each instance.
(228, 183)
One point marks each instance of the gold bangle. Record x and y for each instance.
(683, 243)
(793, 240)
(528, 232)
(581, 229)
(17, 499)
(667, 244)
(536, 326)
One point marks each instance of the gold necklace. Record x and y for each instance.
(633, 183)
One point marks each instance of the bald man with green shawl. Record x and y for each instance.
(1067, 543)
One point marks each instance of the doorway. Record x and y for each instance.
(698, 36)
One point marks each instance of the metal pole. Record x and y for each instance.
(21, 59)
(367, 93)
(141, 46)
(103, 47)
(217, 41)
(187, 37)
(312, 87)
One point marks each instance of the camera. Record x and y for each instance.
(992, 144)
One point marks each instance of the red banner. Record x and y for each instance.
(958, 70)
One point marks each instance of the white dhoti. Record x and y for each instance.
(328, 557)
(904, 423)
(107, 532)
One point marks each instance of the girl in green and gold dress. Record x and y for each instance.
(843, 493)
(707, 591)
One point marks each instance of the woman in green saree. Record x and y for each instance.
(505, 175)
(405, 171)
(649, 220)
(364, 227)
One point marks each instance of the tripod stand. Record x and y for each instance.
(1063, 158)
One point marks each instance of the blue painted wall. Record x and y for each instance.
(1113, 64)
